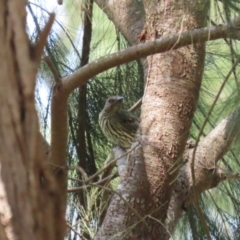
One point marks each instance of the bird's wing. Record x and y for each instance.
(128, 120)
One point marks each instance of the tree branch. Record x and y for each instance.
(208, 175)
(208, 115)
(42, 41)
(53, 70)
(136, 106)
(128, 16)
(82, 75)
(219, 140)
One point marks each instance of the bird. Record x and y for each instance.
(117, 124)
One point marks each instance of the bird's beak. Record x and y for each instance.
(119, 98)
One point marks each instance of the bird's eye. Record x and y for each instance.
(110, 100)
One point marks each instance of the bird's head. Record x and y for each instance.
(113, 104)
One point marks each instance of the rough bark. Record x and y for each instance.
(168, 105)
(34, 209)
(80, 77)
(30, 208)
(133, 181)
(207, 173)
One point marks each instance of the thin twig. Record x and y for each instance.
(113, 162)
(223, 175)
(232, 176)
(76, 180)
(100, 182)
(79, 234)
(135, 106)
(84, 174)
(81, 170)
(202, 219)
(60, 25)
(53, 70)
(115, 192)
(43, 35)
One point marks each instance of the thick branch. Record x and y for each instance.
(25, 187)
(127, 15)
(163, 44)
(219, 140)
(82, 75)
(209, 151)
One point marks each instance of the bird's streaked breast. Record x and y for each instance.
(115, 131)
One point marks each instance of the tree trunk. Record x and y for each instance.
(169, 102)
(29, 197)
